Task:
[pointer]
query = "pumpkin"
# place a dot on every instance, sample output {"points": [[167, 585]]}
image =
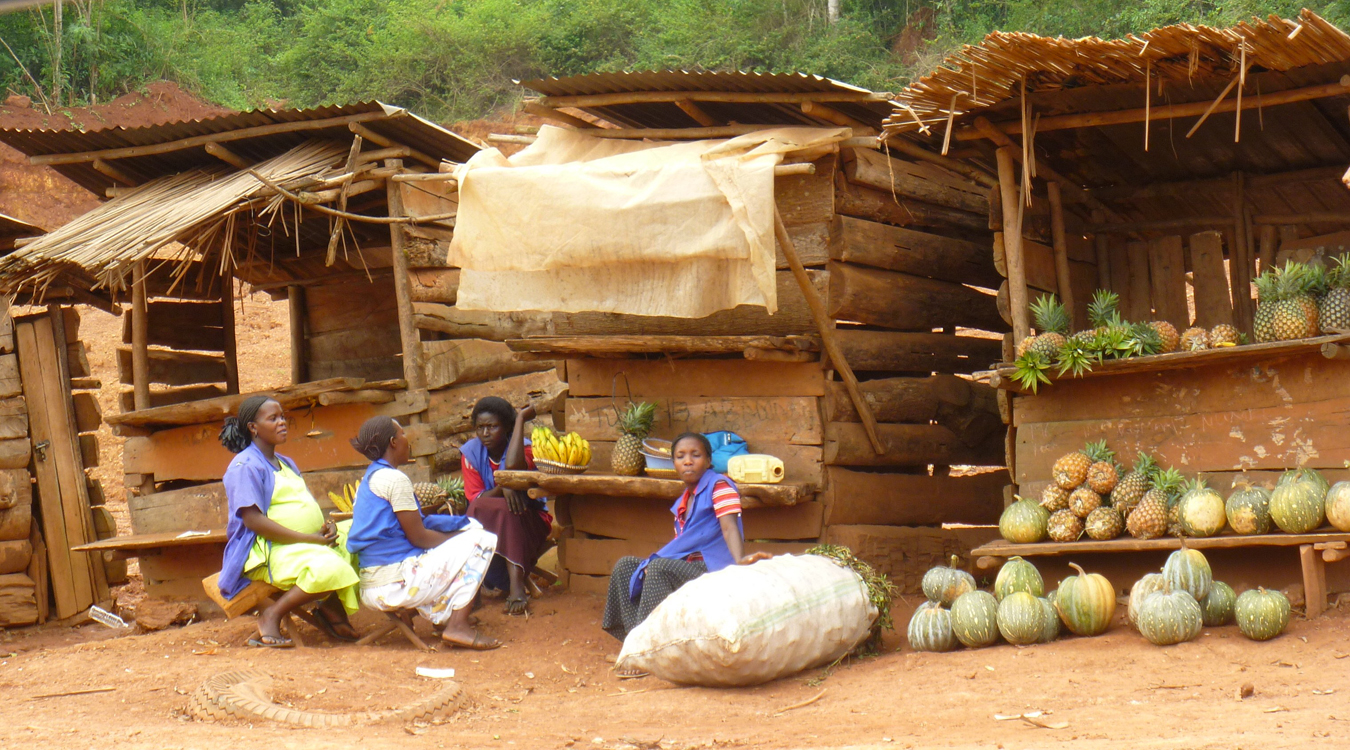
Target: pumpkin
{"points": [[1338, 505], [1169, 616], [1202, 511], [1248, 509], [975, 619], [1019, 618], [930, 629], [944, 584], [1188, 570], [1217, 606], [1024, 522], [1049, 619], [1018, 575], [1261, 615], [1086, 602], [1151, 583], [1298, 506]]}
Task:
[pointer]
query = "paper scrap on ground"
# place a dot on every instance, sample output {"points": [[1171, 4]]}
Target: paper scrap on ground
{"points": [[435, 674]]}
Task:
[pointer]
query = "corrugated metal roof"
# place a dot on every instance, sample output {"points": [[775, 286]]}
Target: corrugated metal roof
{"points": [[394, 123], [668, 115]]}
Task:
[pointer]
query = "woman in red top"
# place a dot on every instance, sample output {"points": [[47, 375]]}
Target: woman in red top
{"points": [[522, 524]]}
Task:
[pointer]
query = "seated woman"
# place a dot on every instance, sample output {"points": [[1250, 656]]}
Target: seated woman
{"points": [[522, 524], [708, 537], [277, 533], [432, 564]]}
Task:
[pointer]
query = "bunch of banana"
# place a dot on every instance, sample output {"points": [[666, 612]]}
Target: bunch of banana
{"points": [[344, 501], [570, 449]]}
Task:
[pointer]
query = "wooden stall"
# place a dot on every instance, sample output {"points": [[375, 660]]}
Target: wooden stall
{"points": [[1170, 168], [894, 249]]}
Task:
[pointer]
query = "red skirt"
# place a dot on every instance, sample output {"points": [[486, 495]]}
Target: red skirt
{"points": [[520, 538]]}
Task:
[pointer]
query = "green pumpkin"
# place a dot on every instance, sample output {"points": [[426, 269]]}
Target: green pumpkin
{"points": [[1019, 618], [1049, 619], [1298, 506], [930, 629], [975, 619], [1338, 505], [1149, 584], [1169, 616], [1024, 522], [1262, 615], [1018, 575], [1304, 475], [1086, 602], [944, 584], [1248, 509], [1217, 606], [1188, 570], [1201, 512]]}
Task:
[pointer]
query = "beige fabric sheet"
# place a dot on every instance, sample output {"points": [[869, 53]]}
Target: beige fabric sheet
{"points": [[575, 223]]}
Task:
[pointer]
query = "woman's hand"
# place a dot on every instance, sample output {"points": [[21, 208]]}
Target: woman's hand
{"points": [[515, 501], [327, 535], [525, 414], [753, 557]]}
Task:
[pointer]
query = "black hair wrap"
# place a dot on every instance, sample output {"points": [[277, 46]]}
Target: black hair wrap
{"points": [[235, 435]]}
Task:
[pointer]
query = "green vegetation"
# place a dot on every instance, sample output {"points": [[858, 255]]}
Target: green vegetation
{"points": [[455, 59]]}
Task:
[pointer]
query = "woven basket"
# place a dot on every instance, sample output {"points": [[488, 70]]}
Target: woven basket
{"points": [[553, 467]]}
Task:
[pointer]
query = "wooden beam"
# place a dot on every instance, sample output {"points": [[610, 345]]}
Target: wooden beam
{"points": [[1012, 243], [1173, 111], [647, 97], [549, 113], [1061, 245], [1192, 223], [231, 343], [374, 137], [1043, 170], [202, 140], [228, 156], [698, 114], [1239, 260], [834, 116], [140, 354], [678, 134], [1320, 217], [414, 370], [295, 297], [110, 170], [1222, 184], [897, 142], [1269, 245]]}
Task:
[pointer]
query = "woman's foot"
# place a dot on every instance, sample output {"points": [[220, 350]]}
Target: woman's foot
{"points": [[271, 641], [333, 621], [517, 606], [475, 641]]}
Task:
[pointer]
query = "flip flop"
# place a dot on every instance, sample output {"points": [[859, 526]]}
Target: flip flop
{"points": [[271, 641], [524, 610], [480, 643], [323, 619]]}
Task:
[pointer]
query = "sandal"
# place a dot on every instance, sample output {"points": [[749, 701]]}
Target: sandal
{"points": [[271, 641], [480, 643], [327, 622], [517, 607]]}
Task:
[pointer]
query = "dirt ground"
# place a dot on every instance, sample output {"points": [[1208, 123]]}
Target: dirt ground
{"points": [[551, 688]]}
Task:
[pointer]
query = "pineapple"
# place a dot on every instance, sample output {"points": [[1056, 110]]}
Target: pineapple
{"points": [[454, 490], [1263, 323], [1194, 340], [1333, 310], [1103, 309], [1149, 518], [1083, 501], [1052, 323], [1104, 523], [1064, 526], [1223, 334], [1071, 470], [1167, 335], [1130, 489], [1102, 475], [635, 423], [1295, 313], [430, 496], [1054, 497]]}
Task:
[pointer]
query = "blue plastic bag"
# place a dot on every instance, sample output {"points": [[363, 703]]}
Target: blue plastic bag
{"points": [[724, 446]]}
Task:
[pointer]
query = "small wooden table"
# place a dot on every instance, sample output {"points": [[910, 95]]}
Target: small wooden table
{"points": [[752, 495], [1315, 550]]}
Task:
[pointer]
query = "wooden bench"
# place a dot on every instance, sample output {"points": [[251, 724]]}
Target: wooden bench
{"points": [[1315, 550]]}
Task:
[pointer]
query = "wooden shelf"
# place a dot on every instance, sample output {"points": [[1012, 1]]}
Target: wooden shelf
{"points": [[752, 495], [1003, 549], [211, 409], [563, 347], [1329, 345], [134, 545]]}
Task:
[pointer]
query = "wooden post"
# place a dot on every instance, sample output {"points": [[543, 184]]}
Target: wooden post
{"points": [[1238, 261], [140, 352], [231, 347], [1269, 245], [295, 297], [827, 338], [1009, 189], [1103, 248], [1061, 244], [1314, 580], [413, 370]]}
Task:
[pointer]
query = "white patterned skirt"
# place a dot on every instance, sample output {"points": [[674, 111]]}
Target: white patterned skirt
{"points": [[439, 581]]}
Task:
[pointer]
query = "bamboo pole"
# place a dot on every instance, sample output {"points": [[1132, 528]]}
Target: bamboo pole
{"points": [[1012, 243], [231, 343], [413, 370], [228, 156], [827, 335], [140, 335], [1061, 244], [295, 305]]}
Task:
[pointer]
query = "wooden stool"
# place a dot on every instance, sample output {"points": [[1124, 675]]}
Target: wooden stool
{"points": [[253, 596], [394, 622]]}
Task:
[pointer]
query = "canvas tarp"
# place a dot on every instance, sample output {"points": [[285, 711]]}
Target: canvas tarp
{"points": [[575, 223]]}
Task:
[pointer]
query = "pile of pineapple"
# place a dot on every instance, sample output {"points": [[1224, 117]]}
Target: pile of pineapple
{"points": [[1091, 494], [1300, 300]]}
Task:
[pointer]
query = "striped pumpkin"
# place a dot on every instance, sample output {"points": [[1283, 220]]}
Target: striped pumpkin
{"points": [[1019, 618], [975, 619], [1169, 616], [1086, 602], [1299, 505], [1018, 575], [1338, 505], [930, 629], [1149, 584], [1188, 570], [1248, 509], [1261, 615], [944, 584], [1217, 606], [1049, 619], [1024, 522]]}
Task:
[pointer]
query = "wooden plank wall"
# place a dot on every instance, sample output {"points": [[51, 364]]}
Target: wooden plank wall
{"points": [[351, 329]]}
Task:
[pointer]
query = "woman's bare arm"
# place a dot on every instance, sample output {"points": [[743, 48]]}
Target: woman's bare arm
{"points": [[515, 450], [417, 532]]}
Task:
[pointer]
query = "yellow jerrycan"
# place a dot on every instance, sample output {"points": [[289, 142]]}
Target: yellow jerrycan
{"points": [[755, 468]]}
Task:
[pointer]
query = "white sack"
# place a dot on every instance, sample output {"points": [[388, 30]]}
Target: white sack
{"points": [[748, 624]]}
